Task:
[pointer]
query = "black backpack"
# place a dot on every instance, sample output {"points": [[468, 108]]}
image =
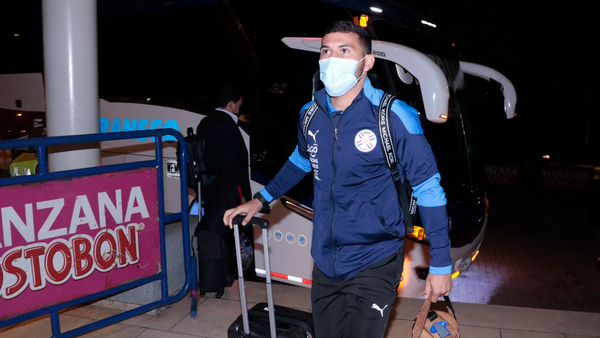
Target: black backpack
{"points": [[405, 196], [198, 176]]}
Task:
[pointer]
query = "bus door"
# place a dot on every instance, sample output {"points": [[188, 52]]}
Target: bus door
{"points": [[489, 74]]}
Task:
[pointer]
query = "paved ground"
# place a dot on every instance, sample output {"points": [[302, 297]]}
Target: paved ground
{"points": [[537, 276], [541, 250], [216, 315]]}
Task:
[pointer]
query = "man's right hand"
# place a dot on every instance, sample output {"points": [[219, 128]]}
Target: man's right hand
{"points": [[249, 209]]}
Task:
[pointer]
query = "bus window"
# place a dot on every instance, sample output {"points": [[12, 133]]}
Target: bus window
{"points": [[446, 139], [481, 103]]}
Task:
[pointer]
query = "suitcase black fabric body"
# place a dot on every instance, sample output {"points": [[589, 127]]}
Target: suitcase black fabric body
{"points": [[217, 191], [215, 262], [287, 322], [216, 256], [216, 250], [290, 323]]}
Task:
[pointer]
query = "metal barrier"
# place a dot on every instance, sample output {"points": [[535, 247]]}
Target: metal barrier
{"points": [[47, 266]]}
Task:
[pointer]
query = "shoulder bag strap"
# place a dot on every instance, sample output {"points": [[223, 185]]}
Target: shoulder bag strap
{"points": [[420, 321], [308, 116], [449, 306]]}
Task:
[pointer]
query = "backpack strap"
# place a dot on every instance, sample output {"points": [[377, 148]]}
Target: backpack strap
{"points": [[308, 116], [405, 196], [385, 135], [193, 162]]}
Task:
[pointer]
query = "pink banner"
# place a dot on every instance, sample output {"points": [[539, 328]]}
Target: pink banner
{"points": [[66, 239]]}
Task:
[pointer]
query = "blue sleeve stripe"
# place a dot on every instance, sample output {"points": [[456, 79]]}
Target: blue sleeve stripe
{"points": [[444, 270], [299, 161], [409, 117], [266, 195], [407, 114], [430, 193], [305, 107]]}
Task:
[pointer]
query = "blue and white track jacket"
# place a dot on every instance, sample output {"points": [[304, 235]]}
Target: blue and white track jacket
{"points": [[357, 218]]}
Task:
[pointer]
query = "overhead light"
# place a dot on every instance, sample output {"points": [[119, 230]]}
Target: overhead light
{"points": [[546, 157], [427, 23], [376, 9], [16, 34]]}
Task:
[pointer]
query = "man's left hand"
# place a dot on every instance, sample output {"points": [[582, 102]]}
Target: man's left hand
{"points": [[437, 286]]}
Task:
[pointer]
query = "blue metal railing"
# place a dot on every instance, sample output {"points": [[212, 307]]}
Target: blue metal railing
{"points": [[190, 285]]}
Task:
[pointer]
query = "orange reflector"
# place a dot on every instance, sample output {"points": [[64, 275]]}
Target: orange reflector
{"points": [[361, 20], [475, 256], [444, 116], [418, 234], [454, 275]]}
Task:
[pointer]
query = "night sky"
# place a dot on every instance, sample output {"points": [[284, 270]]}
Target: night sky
{"points": [[549, 50]]}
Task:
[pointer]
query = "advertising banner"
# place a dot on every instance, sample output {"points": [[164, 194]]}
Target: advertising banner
{"points": [[567, 178], [501, 175], [65, 239]]}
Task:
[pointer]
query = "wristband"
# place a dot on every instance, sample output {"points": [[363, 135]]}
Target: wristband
{"points": [[266, 207]]}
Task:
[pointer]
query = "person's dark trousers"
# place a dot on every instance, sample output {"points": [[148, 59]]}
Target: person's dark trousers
{"points": [[360, 306]]}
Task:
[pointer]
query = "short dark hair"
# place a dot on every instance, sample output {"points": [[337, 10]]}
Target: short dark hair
{"points": [[227, 94], [344, 26]]}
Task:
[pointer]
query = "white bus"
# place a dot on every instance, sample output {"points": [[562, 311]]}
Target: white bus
{"points": [[160, 62]]}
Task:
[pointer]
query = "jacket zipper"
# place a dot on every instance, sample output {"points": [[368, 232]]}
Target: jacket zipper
{"points": [[335, 129]]}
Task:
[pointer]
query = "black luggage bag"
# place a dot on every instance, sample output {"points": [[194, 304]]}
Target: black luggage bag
{"points": [[266, 320], [216, 262], [215, 255]]}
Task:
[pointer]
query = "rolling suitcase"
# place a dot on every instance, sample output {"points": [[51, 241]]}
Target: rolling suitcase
{"points": [[266, 320]]}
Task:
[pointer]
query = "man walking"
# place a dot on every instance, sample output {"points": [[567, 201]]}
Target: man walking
{"points": [[358, 228]]}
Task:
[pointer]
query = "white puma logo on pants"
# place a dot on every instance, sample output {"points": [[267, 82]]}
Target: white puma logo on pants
{"points": [[376, 307]]}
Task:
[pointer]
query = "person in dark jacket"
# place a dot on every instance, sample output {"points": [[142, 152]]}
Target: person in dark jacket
{"points": [[358, 228], [225, 149], [227, 163]]}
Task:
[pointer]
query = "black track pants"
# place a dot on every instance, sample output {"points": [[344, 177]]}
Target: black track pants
{"points": [[360, 306]]}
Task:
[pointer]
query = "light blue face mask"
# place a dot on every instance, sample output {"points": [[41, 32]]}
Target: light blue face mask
{"points": [[338, 75]]}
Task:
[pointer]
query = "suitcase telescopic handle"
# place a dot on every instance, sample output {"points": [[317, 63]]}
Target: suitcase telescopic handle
{"points": [[262, 223]]}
